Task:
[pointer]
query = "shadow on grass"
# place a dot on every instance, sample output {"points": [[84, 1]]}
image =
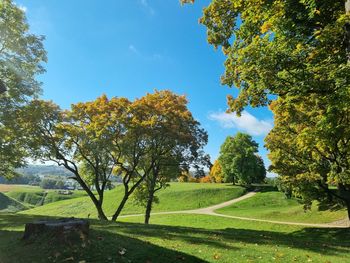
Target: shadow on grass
{"points": [[320, 240], [102, 246], [107, 241]]}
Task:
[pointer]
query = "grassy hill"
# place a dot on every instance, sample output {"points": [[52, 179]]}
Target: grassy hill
{"points": [[32, 196], [7, 204], [179, 196], [183, 237], [274, 206]]}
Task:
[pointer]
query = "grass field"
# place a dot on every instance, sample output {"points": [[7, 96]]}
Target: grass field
{"points": [[179, 196], [32, 196], [179, 238], [274, 206], [7, 204], [41, 197], [17, 187]]}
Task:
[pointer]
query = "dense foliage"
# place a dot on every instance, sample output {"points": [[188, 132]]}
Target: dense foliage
{"points": [[139, 140], [21, 58], [239, 160], [299, 51]]}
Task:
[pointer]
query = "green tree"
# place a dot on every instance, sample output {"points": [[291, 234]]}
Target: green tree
{"points": [[240, 162], [284, 47], [298, 50], [21, 58], [173, 141], [87, 134], [309, 149]]}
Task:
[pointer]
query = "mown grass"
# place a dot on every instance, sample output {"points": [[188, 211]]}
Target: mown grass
{"points": [[179, 196], [33, 197], [275, 206], [179, 238], [8, 204]]}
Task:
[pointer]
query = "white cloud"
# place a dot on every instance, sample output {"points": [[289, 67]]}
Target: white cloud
{"points": [[22, 7], [247, 122], [148, 57], [146, 6]]}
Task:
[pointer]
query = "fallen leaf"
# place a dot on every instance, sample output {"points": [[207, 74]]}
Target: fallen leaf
{"points": [[69, 259], [122, 251]]}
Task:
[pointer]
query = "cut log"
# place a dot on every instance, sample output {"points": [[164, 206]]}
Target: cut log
{"points": [[65, 229]]}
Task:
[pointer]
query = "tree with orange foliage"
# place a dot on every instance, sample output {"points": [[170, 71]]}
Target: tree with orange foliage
{"points": [[216, 172]]}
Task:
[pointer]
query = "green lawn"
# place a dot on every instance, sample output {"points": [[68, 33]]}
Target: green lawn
{"points": [[4, 188], [179, 238], [35, 196], [274, 206], [7, 204], [179, 196]]}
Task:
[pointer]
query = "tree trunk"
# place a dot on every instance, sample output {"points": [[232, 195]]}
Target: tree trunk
{"points": [[149, 206], [347, 30], [127, 193], [97, 203], [348, 208], [120, 207], [101, 214]]}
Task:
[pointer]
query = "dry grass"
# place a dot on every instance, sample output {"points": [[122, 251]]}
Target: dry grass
{"points": [[11, 187]]}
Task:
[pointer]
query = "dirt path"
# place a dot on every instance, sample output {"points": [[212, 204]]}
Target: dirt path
{"points": [[211, 211]]}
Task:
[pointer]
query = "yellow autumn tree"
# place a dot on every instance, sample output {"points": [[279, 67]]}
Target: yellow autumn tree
{"points": [[216, 172]]}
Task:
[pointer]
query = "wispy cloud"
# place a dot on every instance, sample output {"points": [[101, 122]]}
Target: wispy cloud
{"points": [[147, 7], [22, 7], [154, 56], [246, 122], [133, 49]]}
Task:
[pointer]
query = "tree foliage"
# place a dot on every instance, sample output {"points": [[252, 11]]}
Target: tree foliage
{"points": [[174, 142], [239, 160], [21, 58], [148, 138], [216, 172], [310, 149], [282, 47], [298, 50]]}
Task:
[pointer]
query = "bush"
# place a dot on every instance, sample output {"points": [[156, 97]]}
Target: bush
{"points": [[206, 179]]}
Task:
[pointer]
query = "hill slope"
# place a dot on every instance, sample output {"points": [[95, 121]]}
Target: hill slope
{"points": [[179, 196], [7, 204], [274, 206]]}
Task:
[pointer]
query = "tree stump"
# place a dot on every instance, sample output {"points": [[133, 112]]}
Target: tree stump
{"points": [[63, 230]]}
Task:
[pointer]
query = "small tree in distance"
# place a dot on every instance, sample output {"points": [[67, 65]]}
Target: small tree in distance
{"points": [[216, 172], [240, 162]]}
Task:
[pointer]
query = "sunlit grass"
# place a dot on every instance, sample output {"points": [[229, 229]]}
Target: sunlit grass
{"points": [[180, 238], [179, 196], [275, 206]]}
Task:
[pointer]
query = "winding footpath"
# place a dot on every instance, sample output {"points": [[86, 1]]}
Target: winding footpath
{"points": [[211, 212]]}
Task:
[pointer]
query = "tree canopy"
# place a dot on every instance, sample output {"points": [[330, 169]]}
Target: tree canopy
{"points": [[284, 47], [21, 58], [240, 162], [174, 141], [216, 172], [94, 140], [298, 51]]}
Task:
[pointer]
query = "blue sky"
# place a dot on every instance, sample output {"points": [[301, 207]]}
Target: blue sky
{"points": [[131, 47]]}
